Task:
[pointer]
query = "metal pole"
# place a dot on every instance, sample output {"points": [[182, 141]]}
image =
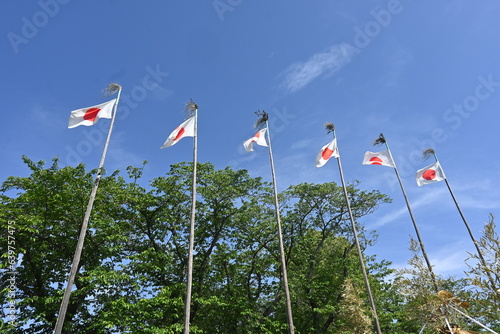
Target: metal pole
{"points": [[79, 248], [358, 247], [280, 238], [473, 320], [448, 324], [187, 310], [479, 253], [433, 277]]}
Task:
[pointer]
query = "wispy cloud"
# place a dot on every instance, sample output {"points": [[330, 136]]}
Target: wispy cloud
{"points": [[428, 198], [480, 194], [450, 260], [300, 74]]}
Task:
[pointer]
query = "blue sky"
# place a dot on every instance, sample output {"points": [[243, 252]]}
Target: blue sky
{"points": [[424, 73]]}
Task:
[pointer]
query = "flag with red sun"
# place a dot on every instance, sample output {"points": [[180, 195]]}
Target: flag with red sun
{"points": [[378, 158], [430, 174], [327, 151], [90, 116], [259, 139], [186, 129]]}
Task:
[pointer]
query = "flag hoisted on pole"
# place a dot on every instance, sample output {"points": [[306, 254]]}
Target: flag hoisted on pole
{"points": [[186, 129], [259, 139], [91, 115], [328, 151], [189, 128], [378, 158], [88, 116], [430, 174], [390, 162], [435, 173]]}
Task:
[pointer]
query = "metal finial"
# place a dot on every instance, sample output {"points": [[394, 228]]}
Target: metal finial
{"points": [[111, 89], [191, 107], [428, 152], [329, 127], [380, 140], [263, 117]]}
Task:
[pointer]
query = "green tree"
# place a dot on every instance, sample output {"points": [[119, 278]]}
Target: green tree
{"points": [[321, 251], [352, 313], [485, 299], [132, 275], [47, 210], [229, 274], [422, 306]]}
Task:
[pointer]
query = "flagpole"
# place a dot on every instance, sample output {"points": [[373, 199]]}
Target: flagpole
{"points": [[381, 139], [331, 128], [480, 254], [111, 89], [187, 311], [473, 320], [291, 329]]}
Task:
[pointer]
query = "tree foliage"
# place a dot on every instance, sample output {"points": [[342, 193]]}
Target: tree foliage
{"points": [[487, 297], [458, 301], [132, 275]]}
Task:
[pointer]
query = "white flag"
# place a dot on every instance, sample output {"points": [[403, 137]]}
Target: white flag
{"points": [[378, 158], [430, 174], [186, 129], [90, 116], [327, 151], [259, 139]]}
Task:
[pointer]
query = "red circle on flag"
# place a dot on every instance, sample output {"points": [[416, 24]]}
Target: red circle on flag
{"points": [[429, 174], [179, 134], [327, 153], [376, 161], [91, 114]]}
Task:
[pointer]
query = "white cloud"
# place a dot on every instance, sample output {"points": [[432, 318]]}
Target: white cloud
{"points": [[446, 262], [479, 194], [428, 198], [450, 260], [300, 74]]}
